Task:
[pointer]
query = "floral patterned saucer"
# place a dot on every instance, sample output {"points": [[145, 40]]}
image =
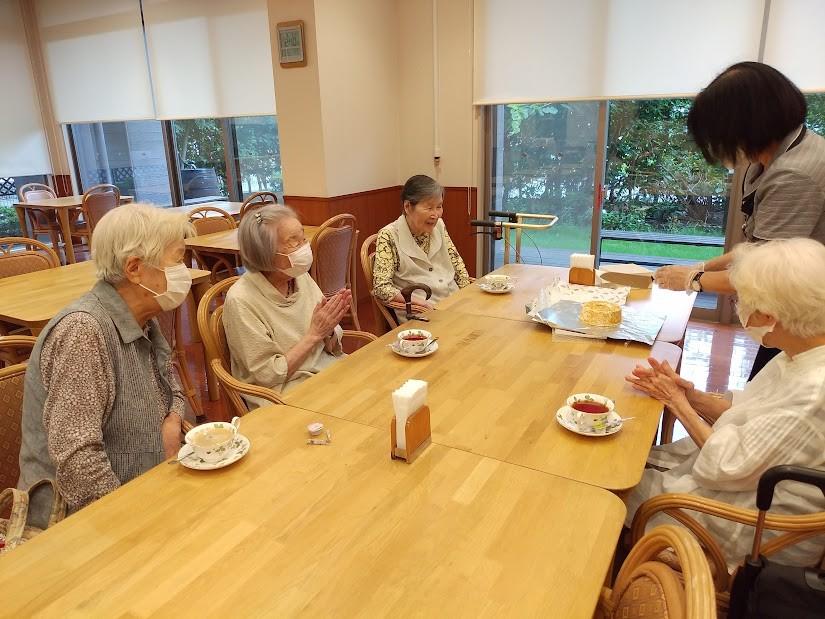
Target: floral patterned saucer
{"points": [[238, 450], [566, 420]]}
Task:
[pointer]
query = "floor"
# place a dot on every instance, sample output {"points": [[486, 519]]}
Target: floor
{"points": [[716, 358]]}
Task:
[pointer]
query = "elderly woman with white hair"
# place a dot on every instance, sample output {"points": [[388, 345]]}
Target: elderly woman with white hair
{"points": [[280, 327], [779, 418], [101, 405]]}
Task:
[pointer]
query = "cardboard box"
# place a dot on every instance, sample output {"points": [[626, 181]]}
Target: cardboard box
{"points": [[627, 275]]}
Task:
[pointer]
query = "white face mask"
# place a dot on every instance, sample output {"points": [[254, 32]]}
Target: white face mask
{"points": [[178, 283], [300, 261], [757, 334]]}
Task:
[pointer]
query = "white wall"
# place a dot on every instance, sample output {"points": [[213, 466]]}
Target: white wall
{"points": [[358, 71]]}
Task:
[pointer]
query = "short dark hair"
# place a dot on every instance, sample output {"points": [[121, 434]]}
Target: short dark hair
{"points": [[420, 187], [748, 107]]}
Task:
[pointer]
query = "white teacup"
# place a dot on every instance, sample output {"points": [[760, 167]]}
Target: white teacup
{"points": [[212, 441], [414, 340], [590, 410], [498, 282]]}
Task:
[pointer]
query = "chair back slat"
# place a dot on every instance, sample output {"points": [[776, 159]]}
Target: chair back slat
{"points": [[11, 414], [19, 255], [257, 200], [97, 201]]}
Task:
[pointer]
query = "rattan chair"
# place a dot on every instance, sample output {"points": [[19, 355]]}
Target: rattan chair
{"points": [[171, 326], [11, 413], [334, 249], [384, 318], [19, 255], [41, 221], [257, 200], [97, 201], [646, 587], [794, 529], [15, 349], [206, 220]]}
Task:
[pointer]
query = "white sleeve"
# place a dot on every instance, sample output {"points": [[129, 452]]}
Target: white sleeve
{"points": [[734, 457]]}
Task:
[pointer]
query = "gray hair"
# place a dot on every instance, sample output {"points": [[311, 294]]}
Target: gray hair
{"points": [[783, 279], [258, 236], [419, 188], [140, 230]]}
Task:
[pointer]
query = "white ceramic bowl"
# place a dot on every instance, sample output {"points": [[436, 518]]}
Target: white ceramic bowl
{"points": [[216, 452], [414, 346]]}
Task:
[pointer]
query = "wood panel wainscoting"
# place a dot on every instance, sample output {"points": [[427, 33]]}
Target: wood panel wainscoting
{"points": [[376, 208]]}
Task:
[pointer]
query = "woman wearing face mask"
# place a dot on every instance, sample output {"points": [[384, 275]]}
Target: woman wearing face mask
{"points": [[416, 249], [280, 327], [101, 405], [779, 418]]}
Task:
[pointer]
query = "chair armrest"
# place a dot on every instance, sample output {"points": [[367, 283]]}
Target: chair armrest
{"points": [[231, 383], [360, 335]]}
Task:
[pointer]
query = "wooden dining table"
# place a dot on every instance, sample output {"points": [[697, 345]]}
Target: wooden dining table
{"points": [[33, 299], [233, 208], [226, 241], [494, 387], [61, 207], [675, 306], [338, 530]]}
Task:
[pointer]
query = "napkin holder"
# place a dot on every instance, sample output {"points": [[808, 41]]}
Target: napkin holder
{"points": [[417, 432], [585, 277]]}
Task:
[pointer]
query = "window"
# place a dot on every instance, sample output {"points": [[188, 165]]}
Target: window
{"points": [[816, 112], [201, 153], [214, 158], [258, 154], [131, 155], [544, 161]]}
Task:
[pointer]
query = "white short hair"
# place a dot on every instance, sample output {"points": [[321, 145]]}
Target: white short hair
{"points": [[783, 279], [140, 230]]}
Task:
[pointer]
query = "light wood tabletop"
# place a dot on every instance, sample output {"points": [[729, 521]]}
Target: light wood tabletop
{"points": [[494, 388], [529, 279], [233, 208], [226, 241], [338, 530], [32, 299], [61, 206]]}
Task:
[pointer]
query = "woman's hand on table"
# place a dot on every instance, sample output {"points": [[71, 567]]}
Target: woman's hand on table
{"points": [[660, 381], [170, 432]]}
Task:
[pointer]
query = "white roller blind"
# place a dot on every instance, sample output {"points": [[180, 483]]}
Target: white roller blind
{"points": [[210, 58], [96, 59], [23, 148], [795, 42], [545, 50]]}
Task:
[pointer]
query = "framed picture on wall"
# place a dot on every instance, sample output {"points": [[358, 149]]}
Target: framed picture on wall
{"points": [[291, 44]]}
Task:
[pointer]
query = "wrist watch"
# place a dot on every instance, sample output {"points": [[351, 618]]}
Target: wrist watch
{"points": [[695, 283]]}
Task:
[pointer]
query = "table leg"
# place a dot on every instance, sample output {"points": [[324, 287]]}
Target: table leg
{"points": [[21, 219], [66, 229]]}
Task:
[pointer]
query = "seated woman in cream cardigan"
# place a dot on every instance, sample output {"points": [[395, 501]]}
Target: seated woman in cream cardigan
{"points": [[416, 249], [279, 326]]}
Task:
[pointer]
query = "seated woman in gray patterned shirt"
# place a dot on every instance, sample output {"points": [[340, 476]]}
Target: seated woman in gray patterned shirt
{"points": [[101, 405]]}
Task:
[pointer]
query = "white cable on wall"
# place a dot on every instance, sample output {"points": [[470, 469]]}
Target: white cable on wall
{"points": [[436, 145]]}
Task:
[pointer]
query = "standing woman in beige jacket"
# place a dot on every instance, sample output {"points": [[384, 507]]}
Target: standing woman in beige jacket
{"points": [[279, 326]]}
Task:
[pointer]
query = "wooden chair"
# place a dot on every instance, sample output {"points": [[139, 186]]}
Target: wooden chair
{"points": [[15, 349], [172, 326], [206, 220], [257, 200], [14, 260], [97, 201], [794, 529], [11, 414], [384, 318], [334, 248], [646, 587], [234, 389], [45, 221]]}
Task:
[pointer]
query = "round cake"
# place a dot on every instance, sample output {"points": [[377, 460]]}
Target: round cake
{"points": [[601, 314]]}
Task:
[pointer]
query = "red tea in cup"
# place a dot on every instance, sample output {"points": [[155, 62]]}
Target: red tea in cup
{"points": [[594, 408]]}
